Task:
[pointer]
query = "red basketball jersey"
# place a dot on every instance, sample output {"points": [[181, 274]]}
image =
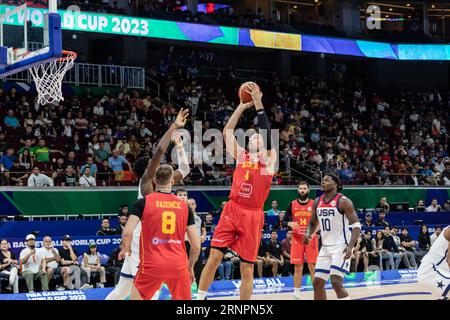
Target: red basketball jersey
{"points": [[251, 184], [301, 213], [164, 222]]}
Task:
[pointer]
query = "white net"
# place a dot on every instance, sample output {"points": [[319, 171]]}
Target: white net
{"points": [[48, 78]]}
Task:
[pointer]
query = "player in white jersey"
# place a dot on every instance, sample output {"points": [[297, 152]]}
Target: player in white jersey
{"points": [[434, 271], [335, 214], [145, 171]]}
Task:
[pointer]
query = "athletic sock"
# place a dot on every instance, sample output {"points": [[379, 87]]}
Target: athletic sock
{"points": [[201, 295], [346, 298]]}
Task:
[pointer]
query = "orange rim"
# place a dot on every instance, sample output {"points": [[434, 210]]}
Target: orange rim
{"points": [[69, 55]]}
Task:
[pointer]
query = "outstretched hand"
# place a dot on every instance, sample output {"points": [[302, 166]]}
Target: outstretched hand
{"points": [[247, 105], [181, 119], [255, 92]]}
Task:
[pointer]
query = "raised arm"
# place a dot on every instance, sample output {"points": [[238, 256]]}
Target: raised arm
{"points": [[346, 206], [183, 162], [161, 149], [231, 143]]}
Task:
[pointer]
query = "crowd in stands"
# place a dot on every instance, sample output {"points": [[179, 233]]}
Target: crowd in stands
{"points": [[365, 136]]}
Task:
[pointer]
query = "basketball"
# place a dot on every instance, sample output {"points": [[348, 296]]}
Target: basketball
{"points": [[243, 95]]}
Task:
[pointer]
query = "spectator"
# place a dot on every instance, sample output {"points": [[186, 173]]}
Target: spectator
{"points": [[262, 258], [275, 255], [408, 243], [90, 163], [8, 159], [274, 210], [4, 145], [383, 253], [123, 218], [114, 265], [346, 174], [70, 267], [383, 205], [37, 179], [201, 233], [116, 162], [420, 206], [11, 121], [33, 264], [70, 179], [72, 161], [286, 251], [390, 247], [91, 263], [101, 154], [447, 206], [435, 235], [106, 230], [104, 172], [26, 162], [51, 256], [42, 153], [368, 220], [381, 219], [407, 256], [120, 143], [86, 180], [368, 252], [434, 206], [16, 175], [209, 224], [9, 266], [424, 243], [225, 269]]}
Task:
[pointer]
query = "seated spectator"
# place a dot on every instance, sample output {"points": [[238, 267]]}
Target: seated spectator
{"points": [[390, 247], [86, 180], [70, 268], [346, 174], [101, 154], [26, 161], [225, 268], [4, 144], [447, 206], [275, 255], [368, 252], [381, 219], [383, 253], [424, 243], [407, 257], [122, 142], [70, 178], [106, 230], [51, 256], [368, 220], [123, 218], [116, 162], [9, 266], [420, 206], [10, 120], [114, 265], [90, 163], [408, 243], [104, 172], [286, 251], [263, 259], [37, 179], [434, 206], [33, 264], [72, 161], [435, 235], [383, 205], [8, 159], [274, 210], [91, 263], [209, 224], [16, 175], [42, 153]]}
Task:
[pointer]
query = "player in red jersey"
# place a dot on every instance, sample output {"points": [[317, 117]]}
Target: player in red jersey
{"points": [[297, 217], [165, 221], [242, 218]]}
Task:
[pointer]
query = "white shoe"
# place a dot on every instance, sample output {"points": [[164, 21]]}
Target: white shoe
{"points": [[296, 296], [100, 285], [85, 286]]}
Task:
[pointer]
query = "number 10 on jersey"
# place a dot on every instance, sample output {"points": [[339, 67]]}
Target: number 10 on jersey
{"points": [[326, 225], [168, 222]]}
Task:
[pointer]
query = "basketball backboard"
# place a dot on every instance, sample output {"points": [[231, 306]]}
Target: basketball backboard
{"points": [[18, 57]]}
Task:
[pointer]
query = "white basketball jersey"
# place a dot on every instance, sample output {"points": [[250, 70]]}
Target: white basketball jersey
{"points": [[438, 252], [137, 230], [334, 225]]}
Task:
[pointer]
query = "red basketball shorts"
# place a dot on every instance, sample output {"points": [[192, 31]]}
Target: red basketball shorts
{"points": [[179, 285], [240, 229], [300, 250]]}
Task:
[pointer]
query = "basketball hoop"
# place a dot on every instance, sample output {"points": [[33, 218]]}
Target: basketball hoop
{"points": [[48, 77]]}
